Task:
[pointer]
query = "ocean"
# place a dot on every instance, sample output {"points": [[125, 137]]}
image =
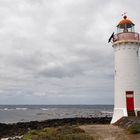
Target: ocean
{"points": [[26, 113]]}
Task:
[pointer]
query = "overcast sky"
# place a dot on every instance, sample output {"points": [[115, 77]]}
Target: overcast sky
{"points": [[56, 51]]}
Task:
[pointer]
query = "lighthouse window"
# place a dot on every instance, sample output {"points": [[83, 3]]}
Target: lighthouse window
{"points": [[137, 53]]}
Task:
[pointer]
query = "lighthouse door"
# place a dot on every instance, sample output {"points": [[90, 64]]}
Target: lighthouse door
{"points": [[130, 103]]}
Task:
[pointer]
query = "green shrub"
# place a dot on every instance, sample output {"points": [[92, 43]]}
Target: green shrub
{"points": [[32, 134], [59, 133], [78, 136], [134, 129]]}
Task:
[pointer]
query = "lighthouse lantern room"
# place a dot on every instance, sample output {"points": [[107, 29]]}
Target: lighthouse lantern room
{"points": [[126, 45]]}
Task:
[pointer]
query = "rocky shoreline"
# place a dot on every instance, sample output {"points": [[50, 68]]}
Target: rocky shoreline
{"points": [[18, 129]]}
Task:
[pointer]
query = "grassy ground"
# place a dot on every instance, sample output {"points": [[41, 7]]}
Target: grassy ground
{"points": [[58, 133], [134, 129]]}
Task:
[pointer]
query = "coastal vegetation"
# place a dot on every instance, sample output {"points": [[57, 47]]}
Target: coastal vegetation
{"points": [[134, 129], [21, 128], [57, 133]]}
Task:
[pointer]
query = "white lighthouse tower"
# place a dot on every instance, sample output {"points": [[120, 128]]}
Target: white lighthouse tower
{"points": [[126, 45]]}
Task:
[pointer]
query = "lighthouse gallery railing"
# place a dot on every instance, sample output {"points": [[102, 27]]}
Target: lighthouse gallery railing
{"points": [[126, 36]]}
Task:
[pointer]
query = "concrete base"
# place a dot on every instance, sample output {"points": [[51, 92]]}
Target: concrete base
{"points": [[118, 113]]}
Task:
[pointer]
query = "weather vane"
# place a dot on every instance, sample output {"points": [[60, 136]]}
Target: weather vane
{"points": [[124, 14]]}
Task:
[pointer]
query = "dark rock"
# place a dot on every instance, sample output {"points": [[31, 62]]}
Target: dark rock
{"points": [[126, 122], [18, 129]]}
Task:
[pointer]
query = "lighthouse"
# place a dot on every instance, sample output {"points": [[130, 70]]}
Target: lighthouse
{"points": [[126, 45]]}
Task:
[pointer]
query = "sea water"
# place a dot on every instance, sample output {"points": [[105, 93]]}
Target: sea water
{"points": [[26, 113]]}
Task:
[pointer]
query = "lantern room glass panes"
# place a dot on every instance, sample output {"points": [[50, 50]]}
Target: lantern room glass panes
{"points": [[125, 28]]}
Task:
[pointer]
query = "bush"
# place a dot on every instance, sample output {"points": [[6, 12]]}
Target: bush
{"points": [[59, 133], [134, 129]]}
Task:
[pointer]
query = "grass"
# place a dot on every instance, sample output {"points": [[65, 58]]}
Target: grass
{"points": [[134, 129], [59, 133]]}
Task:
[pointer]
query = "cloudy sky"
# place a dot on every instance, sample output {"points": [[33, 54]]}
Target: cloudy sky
{"points": [[56, 51]]}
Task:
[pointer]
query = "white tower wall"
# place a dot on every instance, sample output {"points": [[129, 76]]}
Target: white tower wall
{"points": [[127, 76]]}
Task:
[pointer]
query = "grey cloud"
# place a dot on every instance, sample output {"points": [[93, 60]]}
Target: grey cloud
{"points": [[57, 50]]}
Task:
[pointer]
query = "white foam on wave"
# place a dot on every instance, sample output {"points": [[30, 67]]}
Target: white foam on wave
{"points": [[44, 109], [107, 112], [21, 108], [4, 138], [6, 109], [16, 137]]}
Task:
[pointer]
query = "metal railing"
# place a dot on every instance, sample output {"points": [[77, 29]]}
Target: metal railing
{"points": [[126, 36]]}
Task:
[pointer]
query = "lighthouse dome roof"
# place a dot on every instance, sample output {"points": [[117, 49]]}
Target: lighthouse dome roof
{"points": [[125, 22]]}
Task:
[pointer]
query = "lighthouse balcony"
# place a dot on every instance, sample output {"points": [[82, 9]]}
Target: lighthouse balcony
{"points": [[126, 36]]}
